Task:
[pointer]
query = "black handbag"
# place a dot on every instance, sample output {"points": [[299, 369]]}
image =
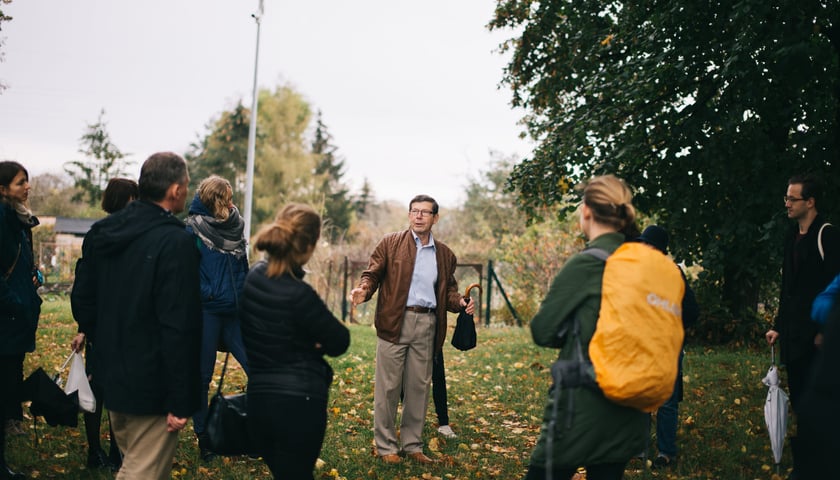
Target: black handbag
{"points": [[227, 427]]}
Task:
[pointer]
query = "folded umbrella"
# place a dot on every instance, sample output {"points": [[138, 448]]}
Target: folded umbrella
{"points": [[464, 338], [775, 410]]}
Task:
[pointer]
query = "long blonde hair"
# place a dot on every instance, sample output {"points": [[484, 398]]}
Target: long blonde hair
{"points": [[290, 238], [216, 194], [611, 203]]}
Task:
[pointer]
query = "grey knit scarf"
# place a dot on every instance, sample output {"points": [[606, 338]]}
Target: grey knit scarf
{"points": [[223, 236]]}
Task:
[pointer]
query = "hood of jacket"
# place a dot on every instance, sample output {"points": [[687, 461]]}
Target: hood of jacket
{"points": [[115, 232], [197, 207]]}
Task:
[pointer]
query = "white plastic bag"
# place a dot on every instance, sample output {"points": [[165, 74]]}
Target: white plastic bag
{"points": [[77, 380]]}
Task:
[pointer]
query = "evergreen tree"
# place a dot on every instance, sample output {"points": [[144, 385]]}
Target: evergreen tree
{"points": [[329, 170], [223, 151], [103, 161], [363, 201]]}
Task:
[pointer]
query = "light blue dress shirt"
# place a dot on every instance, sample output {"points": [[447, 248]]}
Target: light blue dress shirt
{"points": [[422, 290]]}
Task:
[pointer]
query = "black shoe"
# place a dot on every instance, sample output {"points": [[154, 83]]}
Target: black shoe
{"points": [[98, 459], [661, 461], [115, 460], [7, 473], [206, 454]]}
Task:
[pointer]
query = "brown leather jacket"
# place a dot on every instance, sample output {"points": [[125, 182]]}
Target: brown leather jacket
{"points": [[390, 269]]}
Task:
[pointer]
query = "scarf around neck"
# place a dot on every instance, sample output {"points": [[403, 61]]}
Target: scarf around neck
{"points": [[225, 236]]}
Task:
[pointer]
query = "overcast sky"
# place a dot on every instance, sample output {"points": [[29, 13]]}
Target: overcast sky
{"points": [[409, 90]]}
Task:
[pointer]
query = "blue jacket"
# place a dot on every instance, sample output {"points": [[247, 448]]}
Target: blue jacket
{"points": [[825, 301], [222, 274], [20, 305]]}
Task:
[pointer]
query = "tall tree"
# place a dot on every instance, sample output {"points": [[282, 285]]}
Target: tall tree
{"points": [[690, 102], [490, 209], [364, 198], [284, 164], [103, 161], [3, 18], [329, 170], [223, 151]]}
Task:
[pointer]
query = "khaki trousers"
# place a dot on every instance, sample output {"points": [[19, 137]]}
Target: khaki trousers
{"points": [[147, 447], [403, 366]]}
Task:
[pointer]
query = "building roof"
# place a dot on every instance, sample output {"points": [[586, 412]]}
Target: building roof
{"points": [[73, 226]]}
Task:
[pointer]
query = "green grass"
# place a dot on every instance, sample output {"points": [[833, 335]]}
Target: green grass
{"points": [[496, 396]]}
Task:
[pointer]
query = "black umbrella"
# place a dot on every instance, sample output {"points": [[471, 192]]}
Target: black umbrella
{"points": [[464, 337], [50, 401]]}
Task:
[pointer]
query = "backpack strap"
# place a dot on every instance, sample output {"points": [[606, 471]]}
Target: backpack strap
{"points": [[599, 253], [819, 240]]}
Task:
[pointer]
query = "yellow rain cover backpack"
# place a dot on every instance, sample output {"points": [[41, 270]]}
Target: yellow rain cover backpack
{"points": [[636, 345]]}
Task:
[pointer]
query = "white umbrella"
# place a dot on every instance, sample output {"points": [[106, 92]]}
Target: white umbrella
{"points": [[775, 411]]}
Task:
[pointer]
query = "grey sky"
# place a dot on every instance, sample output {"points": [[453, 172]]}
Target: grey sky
{"points": [[407, 89]]}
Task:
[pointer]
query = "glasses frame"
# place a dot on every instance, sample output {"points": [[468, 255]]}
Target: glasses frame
{"points": [[788, 198], [421, 213]]}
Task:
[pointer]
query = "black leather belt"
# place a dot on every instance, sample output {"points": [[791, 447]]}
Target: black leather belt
{"points": [[420, 309]]}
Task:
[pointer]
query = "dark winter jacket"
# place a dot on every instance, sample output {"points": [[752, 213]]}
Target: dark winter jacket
{"points": [[283, 319], [137, 293], [816, 443], [390, 270], [222, 273], [20, 305], [801, 286], [601, 431]]}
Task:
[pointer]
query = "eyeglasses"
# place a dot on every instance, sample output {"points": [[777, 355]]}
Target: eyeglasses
{"points": [[420, 213], [792, 199]]}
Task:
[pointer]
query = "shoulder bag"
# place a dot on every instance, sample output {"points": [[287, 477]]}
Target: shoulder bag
{"points": [[227, 422]]}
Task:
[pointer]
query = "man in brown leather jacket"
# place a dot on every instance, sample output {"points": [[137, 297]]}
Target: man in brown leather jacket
{"points": [[415, 277]]}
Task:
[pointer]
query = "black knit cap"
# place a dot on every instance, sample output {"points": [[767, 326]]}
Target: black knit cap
{"points": [[656, 237]]}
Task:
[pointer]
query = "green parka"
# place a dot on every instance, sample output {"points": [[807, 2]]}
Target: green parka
{"points": [[601, 431]]}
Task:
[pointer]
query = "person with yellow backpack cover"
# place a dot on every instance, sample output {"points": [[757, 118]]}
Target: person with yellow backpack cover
{"points": [[604, 382]]}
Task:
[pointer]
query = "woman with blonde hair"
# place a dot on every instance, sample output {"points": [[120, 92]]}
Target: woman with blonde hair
{"points": [[602, 436], [287, 330], [20, 305], [220, 236]]}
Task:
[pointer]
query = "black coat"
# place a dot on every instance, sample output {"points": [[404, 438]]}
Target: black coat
{"points": [[817, 443], [283, 319], [800, 287], [136, 295]]}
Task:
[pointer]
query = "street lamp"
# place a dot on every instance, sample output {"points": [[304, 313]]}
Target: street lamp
{"points": [[252, 136]]}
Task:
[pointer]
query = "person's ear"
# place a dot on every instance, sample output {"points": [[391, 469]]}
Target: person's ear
{"points": [[174, 191]]}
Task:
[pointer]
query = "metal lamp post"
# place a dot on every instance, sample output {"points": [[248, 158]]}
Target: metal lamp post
{"points": [[252, 136]]}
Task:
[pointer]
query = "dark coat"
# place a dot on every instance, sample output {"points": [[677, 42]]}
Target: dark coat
{"points": [[20, 305], [800, 287], [282, 320], [137, 293], [817, 443], [222, 274], [601, 431]]}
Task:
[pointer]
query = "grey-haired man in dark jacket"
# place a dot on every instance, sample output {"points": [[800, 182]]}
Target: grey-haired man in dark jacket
{"points": [[136, 294]]}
